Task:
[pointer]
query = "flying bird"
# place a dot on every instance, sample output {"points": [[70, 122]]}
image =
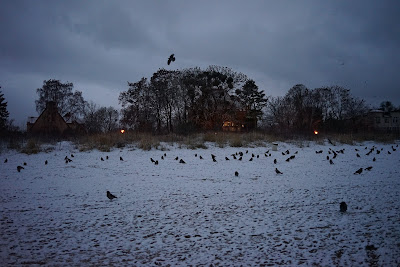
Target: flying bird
{"points": [[171, 58], [359, 171], [278, 171], [343, 206], [110, 196], [19, 168]]}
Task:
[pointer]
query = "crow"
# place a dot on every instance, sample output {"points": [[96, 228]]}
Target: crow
{"points": [[200, 157], [368, 168], [101, 159], [240, 158], [251, 159], [358, 155], [5, 161], [278, 171], [343, 206], [195, 155], [234, 157], [247, 151], [24, 163], [165, 154], [374, 159], [288, 159], [331, 162], [252, 155], [213, 156], [275, 161], [236, 173], [176, 158], [171, 59], [19, 168], [389, 152], [182, 161], [45, 163], [292, 156], [110, 196], [162, 157], [121, 159], [359, 171], [106, 157], [72, 155], [267, 151], [287, 152], [283, 153], [226, 158], [214, 160], [152, 160], [156, 162], [356, 149]]}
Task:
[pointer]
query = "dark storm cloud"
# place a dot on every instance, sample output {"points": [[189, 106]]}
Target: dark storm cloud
{"points": [[100, 45]]}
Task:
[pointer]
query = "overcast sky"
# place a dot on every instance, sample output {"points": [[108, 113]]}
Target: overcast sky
{"points": [[100, 45]]}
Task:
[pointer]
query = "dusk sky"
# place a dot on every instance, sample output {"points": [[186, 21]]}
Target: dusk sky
{"points": [[101, 45]]}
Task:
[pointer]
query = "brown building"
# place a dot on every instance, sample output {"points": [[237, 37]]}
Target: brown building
{"points": [[239, 123], [50, 122]]}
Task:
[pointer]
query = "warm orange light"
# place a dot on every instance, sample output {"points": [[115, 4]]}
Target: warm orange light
{"points": [[315, 132], [122, 131]]}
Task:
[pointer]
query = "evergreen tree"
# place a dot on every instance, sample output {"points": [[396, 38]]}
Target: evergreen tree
{"points": [[3, 112]]}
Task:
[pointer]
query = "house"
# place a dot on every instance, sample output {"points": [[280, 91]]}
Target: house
{"points": [[50, 122], [238, 123], [385, 121]]}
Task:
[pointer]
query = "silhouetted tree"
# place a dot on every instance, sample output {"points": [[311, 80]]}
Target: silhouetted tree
{"points": [[3, 112], [387, 106], [61, 93]]}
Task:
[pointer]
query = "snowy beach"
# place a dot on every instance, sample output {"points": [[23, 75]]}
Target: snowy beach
{"points": [[199, 213]]}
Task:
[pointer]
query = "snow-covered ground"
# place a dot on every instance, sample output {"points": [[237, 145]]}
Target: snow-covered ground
{"points": [[200, 213]]}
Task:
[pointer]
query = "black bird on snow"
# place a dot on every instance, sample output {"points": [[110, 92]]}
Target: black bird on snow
{"points": [[152, 160], [359, 171], [389, 152], [343, 206], [195, 155], [156, 162], [19, 168], [288, 159], [72, 155], [213, 156], [275, 161], [374, 159], [226, 158], [162, 157], [292, 156], [331, 161], [121, 159], [356, 149], [106, 157], [234, 157], [287, 152], [258, 156], [236, 173], [252, 155], [358, 155], [101, 159], [200, 157], [247, 151], [214, 160], [171, 59], [5, 161], [24, 163], [251, 159], [176, 158], [45, 163], [283, 153], [378, 152], [278, 171], [182, 161], [110, 196], [368, 168], [240, 158]]}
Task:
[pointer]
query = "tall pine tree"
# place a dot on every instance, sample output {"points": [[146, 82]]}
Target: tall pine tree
{"points": [[3, 112]]}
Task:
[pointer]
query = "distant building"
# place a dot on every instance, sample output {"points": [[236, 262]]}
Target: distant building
{"points": [[50, 122], [385, 121], [239, 123]]}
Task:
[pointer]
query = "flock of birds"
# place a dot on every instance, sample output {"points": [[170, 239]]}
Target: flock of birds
{"points": [[240, 156]]}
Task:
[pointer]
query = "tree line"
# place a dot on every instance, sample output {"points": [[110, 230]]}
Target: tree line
{"points": [[194, 99]]}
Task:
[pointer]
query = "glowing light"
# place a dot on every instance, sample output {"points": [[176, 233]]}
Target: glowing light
{"points": [[315, 132], [122, 131]]}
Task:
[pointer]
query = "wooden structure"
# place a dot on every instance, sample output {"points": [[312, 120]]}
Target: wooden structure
{"points": [[50, 122]]}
